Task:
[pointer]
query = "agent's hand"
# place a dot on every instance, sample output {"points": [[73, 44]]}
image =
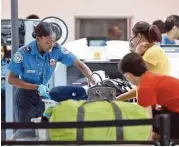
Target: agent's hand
{"points": [[91, 82], [46, 96], [43, 91]]}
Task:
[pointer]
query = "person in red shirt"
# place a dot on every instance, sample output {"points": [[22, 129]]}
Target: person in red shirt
{"points": [[153, 89]]}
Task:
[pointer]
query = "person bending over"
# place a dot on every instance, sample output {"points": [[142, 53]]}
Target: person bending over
{"points": [[153, 89]]}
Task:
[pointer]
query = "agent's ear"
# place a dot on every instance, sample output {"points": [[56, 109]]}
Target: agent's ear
{"points": [[175, 28], [38, 39], [139, 35]]}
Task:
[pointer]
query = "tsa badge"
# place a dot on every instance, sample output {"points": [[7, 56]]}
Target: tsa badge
{"points": [[52, 62]]}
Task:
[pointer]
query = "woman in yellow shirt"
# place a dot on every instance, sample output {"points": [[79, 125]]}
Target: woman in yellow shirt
{"points": [[154, 57]]}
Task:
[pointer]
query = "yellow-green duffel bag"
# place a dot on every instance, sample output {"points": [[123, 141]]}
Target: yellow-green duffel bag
{"points": [[70, 111]]}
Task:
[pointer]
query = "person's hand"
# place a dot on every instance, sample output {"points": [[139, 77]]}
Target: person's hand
{"points": [[158, 107], [43, 91], [142, 47], [46, 96], [91, 82], [131, 47]]}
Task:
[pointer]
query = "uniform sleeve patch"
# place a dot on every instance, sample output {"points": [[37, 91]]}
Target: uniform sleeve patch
{"points": [[18, 57], [65, 51]]}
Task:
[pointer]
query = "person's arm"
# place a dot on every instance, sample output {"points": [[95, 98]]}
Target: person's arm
{"points": [[13, 80], [67, 58], [126, 96], [84, 69], [42, 89], [16, 69], [143, 47]]}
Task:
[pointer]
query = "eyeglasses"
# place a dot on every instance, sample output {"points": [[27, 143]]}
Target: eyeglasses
{"points": [[53, 43], [131, 45], [132, 38], [50, 42]]}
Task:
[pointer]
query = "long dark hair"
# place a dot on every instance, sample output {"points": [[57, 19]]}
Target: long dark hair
{"points": [[151, 32]]}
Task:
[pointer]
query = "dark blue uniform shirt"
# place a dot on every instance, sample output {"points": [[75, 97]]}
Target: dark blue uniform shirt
{"points": [[30, 66]]}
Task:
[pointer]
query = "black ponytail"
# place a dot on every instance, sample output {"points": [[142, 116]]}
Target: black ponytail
{"points": [[154, 34], [151, 32]]}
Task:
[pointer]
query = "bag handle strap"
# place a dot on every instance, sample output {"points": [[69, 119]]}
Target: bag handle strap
{"points": [[95, 73], [80, 118], [117, 113]]}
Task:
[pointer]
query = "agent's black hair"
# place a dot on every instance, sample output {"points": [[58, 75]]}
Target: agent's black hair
{"points": [[151, 32], [42, 29], [47, 29], [57, 29], [161, 26], [132, 63], [171, 21]]}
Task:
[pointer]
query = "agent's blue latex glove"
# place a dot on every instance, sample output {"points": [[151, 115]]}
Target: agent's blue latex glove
{"points": [[46, 96], [43, 91]]}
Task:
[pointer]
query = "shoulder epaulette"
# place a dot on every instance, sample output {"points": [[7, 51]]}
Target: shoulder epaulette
{"points": [[27, 48]]}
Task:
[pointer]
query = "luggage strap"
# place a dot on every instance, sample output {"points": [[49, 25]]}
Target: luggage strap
{"points": [[118, 116]]}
